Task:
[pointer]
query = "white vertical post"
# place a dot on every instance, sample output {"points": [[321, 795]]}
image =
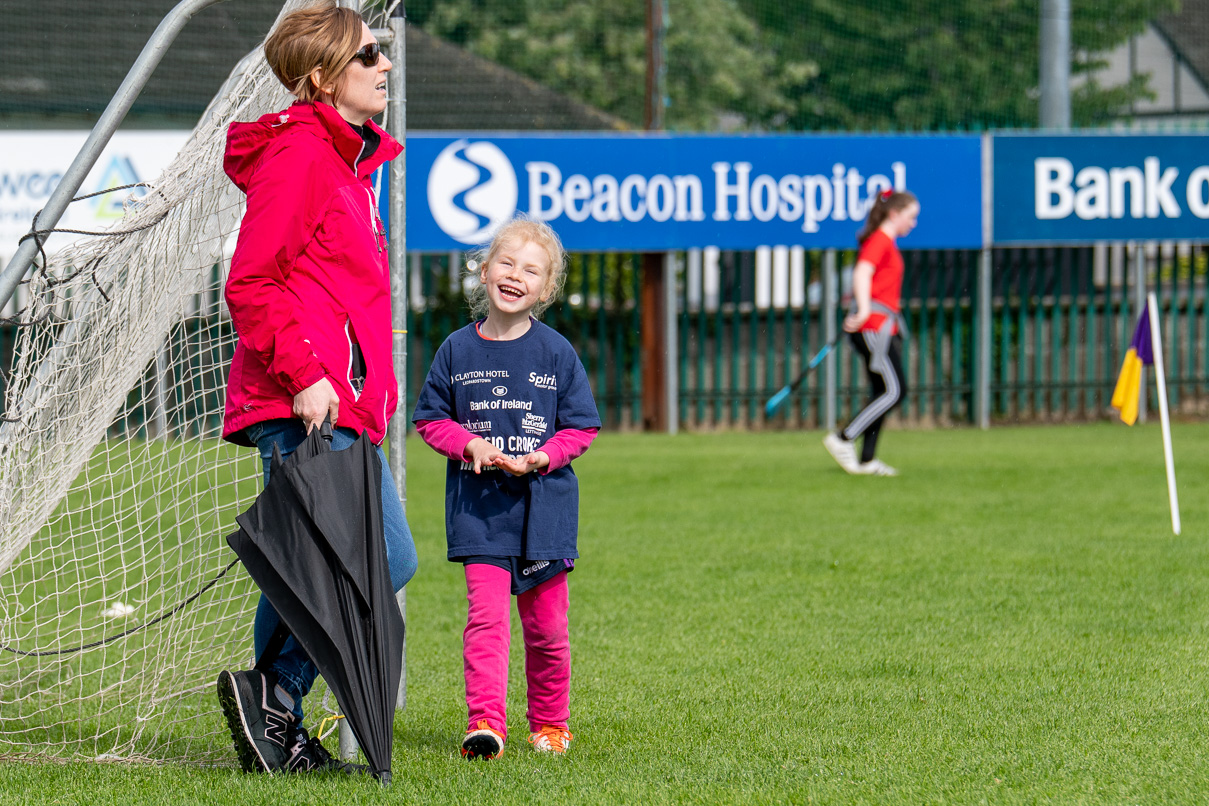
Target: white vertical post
{"points": [[1160, 379], [780, 277], [711, 282], [692, 279], [831, 300], [763, 277], [797, 277]]}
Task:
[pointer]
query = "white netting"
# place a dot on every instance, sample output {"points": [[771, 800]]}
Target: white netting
{"points": [[116, 493]]}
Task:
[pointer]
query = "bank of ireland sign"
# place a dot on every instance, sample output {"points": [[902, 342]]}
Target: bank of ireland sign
{"points": [[1107, 187], [629, 192]]}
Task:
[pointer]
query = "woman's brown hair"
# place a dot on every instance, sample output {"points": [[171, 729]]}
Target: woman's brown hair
{"points": [[885, 201], [321, 36]]}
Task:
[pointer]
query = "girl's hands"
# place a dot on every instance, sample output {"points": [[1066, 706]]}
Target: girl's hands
{"points": [[532, 463], [483, 454]]}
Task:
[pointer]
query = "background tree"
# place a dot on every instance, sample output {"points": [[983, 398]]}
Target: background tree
{"points": [[903, 65], [720, 70], [934, 64]]}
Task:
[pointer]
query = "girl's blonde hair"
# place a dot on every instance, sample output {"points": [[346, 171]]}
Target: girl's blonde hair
{"points": [[886, 201], [323, 36], [521, 229]]}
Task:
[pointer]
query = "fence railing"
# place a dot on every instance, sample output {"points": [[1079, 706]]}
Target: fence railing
{"points": [[747, 322]]}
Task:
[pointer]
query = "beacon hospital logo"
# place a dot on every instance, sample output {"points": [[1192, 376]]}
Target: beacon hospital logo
{"points": [[472, 190]]}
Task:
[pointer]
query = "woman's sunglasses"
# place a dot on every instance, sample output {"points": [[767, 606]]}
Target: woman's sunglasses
{"points": [[368, 55]]}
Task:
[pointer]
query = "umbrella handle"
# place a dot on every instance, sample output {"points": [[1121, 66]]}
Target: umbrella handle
{"points": [[325, 430]]}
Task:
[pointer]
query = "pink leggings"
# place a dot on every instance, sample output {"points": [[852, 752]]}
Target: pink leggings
{"points": [[485, 648]]}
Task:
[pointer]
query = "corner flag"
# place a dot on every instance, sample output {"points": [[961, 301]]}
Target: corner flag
{"points": [[1129, 383], [1147, 349]]}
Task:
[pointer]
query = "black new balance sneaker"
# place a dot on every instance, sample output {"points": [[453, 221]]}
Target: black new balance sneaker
{"points": [[307, 754], [260, 725]]}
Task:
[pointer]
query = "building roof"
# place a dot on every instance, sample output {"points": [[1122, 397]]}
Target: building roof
{"points": [[1188, 32], [63, 60]]}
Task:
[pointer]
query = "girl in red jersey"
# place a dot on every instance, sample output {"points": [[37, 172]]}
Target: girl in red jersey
{"points": [[874, 329]]}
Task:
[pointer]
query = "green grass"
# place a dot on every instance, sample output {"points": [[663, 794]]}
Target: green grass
{"points": [[1009, 621]]}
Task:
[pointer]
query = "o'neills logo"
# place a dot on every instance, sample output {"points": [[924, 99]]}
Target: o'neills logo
{"points": [[537, 566]]}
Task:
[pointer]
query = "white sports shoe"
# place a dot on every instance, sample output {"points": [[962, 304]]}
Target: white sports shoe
{"points": [[843, 451], [876, 468]]}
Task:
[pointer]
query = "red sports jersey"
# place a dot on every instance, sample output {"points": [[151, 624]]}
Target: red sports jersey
{"points": [[887, 287]]}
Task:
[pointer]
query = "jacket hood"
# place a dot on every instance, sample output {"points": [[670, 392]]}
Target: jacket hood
{"points": [[247, 143]]}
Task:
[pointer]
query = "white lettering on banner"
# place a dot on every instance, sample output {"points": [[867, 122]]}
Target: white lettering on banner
{"points": [[1052, 177], [811, 198], [1096, 192], [1198, 203], [603, 198], [739, 195], [723, 190], [33, 185]]}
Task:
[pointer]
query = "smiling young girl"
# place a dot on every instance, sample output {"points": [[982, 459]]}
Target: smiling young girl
{"points": [[873, 329], [507, 402]]}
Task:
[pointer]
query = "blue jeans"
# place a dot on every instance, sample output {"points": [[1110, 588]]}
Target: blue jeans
{"points": [[295, 671]]}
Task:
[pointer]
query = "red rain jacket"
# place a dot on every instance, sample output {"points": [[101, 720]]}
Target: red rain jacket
{"points": [[310, 275]]}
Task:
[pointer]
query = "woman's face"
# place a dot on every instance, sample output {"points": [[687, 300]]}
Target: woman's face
{"points": [[361, 92]]}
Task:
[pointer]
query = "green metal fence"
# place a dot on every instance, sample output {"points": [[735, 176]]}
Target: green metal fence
{"points": [[1060, 322]]}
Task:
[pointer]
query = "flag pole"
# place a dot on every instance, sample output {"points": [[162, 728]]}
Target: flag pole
{"points": [[1160, 379]]}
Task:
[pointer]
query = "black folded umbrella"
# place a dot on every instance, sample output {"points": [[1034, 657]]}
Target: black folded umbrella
{"points": [[313, 543]]}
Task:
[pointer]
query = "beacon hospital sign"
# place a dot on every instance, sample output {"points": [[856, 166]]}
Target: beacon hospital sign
{"points": [[663, 192]]}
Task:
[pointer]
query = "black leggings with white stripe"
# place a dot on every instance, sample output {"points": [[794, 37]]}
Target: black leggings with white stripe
{"points": [[883, 365]]}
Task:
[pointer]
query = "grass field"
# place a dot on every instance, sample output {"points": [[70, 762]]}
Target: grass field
{"points": [[1009, 621]]}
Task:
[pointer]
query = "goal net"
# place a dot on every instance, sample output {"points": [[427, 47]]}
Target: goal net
{"points": [[116, 493]]}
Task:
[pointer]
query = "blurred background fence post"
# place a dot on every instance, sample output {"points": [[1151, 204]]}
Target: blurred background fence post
{"points": [[828, 314]]}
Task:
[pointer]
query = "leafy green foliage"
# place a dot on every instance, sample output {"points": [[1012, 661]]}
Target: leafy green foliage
{"points": [[802, 64], [935, 64], [595, 51]]}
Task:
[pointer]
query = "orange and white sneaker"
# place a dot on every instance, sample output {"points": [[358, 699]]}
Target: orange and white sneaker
{"points": [[551, 739], [482, 742]]}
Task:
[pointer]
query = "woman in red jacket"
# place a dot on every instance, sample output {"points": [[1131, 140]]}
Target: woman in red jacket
{"points": [[873, 328], [309, 294]]}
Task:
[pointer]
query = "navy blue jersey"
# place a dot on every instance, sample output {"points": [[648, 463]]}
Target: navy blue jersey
{"points": [[515, 394]]}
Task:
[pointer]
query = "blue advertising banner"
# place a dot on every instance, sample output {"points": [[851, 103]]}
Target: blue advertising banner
{"points": [[1107, 187], [636, 192]]}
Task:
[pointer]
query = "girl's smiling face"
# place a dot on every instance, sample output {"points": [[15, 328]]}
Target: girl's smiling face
{"points": [[517, 278]]}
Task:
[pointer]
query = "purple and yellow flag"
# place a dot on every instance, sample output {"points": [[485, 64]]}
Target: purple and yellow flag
{"points": [[1129, 383]]}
